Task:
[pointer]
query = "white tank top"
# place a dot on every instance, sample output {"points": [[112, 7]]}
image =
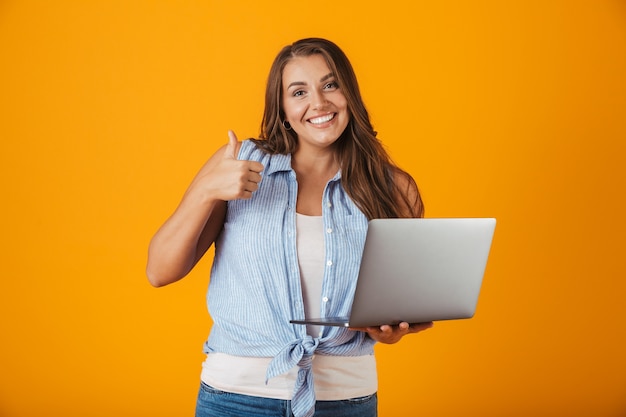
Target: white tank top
{"points": [[310, 248], [335, 377]]}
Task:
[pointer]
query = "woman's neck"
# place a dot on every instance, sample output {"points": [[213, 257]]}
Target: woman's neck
{"points": [[313, 171], [321, 163]]}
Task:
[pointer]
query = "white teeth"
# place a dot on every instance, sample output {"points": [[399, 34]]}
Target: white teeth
{"points": [[323, 119]]}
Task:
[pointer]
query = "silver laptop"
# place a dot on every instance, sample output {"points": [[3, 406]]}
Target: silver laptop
{"points": [[418, 270]]}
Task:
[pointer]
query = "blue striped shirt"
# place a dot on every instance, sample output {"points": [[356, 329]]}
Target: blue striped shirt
{"points": [[255, 280]]}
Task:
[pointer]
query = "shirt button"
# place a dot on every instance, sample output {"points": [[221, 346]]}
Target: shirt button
{"points": [[329, 263], [325, 299], [329, 230], [329, 204]]}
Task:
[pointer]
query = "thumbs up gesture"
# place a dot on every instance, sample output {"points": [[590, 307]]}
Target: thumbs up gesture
{"points": [[224, 177]]}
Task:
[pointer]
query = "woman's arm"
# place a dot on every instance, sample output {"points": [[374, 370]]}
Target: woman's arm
{"points": [[408, 196], [410, 202], [197, 221]]}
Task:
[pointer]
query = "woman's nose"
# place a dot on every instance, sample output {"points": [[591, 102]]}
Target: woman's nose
{"points": [[318, 101]]}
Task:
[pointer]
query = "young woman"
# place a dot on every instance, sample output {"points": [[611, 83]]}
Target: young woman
{"points": [[288, 214]]}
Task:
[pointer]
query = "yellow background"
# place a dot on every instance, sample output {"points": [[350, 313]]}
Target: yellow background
{"points": [[512, 109]]}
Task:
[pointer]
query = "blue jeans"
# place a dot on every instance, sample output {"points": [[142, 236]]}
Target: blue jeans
{"points": [[215, 403]]}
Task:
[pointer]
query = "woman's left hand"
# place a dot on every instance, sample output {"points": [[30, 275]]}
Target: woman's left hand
{"points": [[392, 334]]}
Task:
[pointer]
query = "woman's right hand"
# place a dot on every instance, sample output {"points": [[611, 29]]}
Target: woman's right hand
{"points": [[224, 177]]}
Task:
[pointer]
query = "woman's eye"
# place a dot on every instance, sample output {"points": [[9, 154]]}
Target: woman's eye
{"points": [[331, 85], [298, 93]]}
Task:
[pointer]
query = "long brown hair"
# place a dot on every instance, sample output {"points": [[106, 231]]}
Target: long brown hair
{"points": [[376, 185]]}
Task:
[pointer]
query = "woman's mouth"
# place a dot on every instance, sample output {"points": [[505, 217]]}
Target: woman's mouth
{"points": [[322, 119]]}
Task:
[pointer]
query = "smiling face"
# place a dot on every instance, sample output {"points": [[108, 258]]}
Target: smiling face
{"points": [[313, 102]]}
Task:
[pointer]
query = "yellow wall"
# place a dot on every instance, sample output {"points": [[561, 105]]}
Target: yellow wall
{"points": [[512, 109]]}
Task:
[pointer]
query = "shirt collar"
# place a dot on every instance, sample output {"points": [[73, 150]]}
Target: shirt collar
{"points": [[278, 163]]}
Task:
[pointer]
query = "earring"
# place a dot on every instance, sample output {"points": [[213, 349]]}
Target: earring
{"points": [[286, 125]]}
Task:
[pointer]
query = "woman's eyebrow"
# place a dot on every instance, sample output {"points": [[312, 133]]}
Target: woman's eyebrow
{"points": [[295, 83], [327, 76]]}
